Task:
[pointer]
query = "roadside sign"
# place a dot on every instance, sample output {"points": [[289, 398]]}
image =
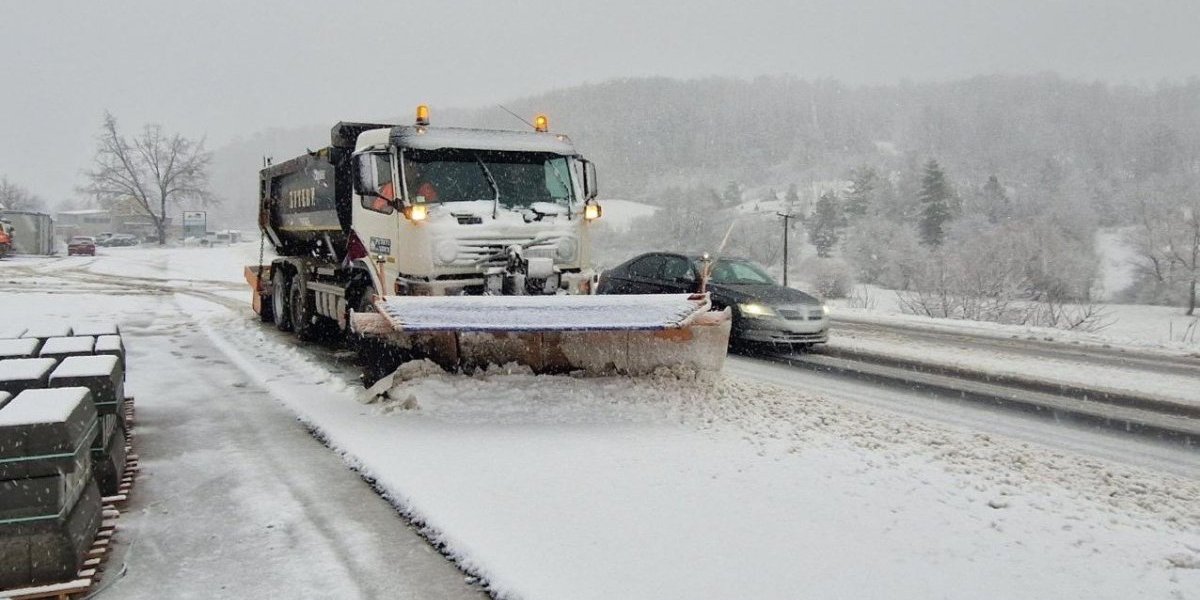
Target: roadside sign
{"points": [[195, 223]]}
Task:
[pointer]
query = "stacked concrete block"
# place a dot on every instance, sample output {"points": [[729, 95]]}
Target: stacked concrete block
{"points": [[47, 330], [104, 377], [49, 503], [59, 348], [19, 348], [8, 331], [95, 329], [20, 374], [111, 345]]}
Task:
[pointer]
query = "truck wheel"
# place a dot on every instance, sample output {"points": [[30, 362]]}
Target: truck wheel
{"points": [[302, 324], [279, 301]]}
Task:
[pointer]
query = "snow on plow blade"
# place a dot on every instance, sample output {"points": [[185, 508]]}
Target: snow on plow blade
{"points": [[552, 334]]}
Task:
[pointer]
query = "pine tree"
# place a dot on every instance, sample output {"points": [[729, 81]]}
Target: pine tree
{"points": [[792, 198], [732, 196], [995, 201], [935, 202], [825, 227], [861, 197]]}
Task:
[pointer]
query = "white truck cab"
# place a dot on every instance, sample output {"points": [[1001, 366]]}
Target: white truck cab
{"points": [[445, 211]]}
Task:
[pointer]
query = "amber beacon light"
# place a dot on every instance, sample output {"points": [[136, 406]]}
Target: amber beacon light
{"points": [[541, 123], [423, 114]]}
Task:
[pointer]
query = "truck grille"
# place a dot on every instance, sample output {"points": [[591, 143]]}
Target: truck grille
{"points": [[489, 252]]}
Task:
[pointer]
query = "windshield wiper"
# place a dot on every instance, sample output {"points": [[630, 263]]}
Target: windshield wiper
{"points": [[495, 187]]}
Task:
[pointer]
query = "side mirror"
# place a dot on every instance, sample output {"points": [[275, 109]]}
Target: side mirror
{"points": [[589, 179], [364, 175]]}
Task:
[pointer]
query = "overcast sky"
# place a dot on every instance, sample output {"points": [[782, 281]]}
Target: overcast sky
{"points": [[224, 68]]}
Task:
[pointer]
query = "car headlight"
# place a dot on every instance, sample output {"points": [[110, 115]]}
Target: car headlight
{"points": [[566, 250], [825, 309], [756, 310], [445, 252]]}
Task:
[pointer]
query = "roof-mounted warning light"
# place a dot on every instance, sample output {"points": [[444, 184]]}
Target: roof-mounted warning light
{"points": [[422, 114], [541, 123]]}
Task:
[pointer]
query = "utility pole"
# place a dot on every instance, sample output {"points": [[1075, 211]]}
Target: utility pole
{"points": [[786, 226]]}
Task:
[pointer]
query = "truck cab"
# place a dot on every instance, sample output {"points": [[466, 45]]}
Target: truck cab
{"points": [[446, 211]]}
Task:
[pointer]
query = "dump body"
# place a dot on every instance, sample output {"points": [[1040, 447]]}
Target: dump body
{"points": [[305, 201]]}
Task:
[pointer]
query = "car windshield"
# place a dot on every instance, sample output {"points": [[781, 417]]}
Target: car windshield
{"points": [[516, 179], [739, 272]]}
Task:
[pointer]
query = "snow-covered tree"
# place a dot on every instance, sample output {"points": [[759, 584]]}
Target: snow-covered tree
{"points": [[935, 199], [16, 197], [732, 196], [153, 170], [996, 204], [791, 199], [884, 252], [825, 226], [861, 196], [1167, 239]]}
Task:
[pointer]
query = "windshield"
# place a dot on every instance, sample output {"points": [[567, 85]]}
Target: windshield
{"points": [[739, 272], [516, 179]]}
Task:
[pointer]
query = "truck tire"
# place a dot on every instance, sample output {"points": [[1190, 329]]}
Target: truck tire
{"points": [[302, 313], [279, 300]]}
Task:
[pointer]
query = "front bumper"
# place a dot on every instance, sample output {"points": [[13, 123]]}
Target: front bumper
{"points": [[777, 330]]}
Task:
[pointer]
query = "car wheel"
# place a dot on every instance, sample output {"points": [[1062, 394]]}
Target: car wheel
{"points": [[279, 301]]}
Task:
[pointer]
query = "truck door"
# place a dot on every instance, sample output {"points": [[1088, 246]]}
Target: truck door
{"points": [[374, 218]]}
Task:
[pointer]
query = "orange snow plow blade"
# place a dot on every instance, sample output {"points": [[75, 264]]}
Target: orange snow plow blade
{"points": [[607, 334]]}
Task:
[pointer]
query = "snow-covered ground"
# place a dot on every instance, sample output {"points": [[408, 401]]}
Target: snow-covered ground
{"points": [[668, 486], [1159, 328], [1077, 371]]}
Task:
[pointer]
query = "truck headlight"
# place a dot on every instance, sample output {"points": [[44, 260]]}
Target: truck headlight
{"points": [[825, 309], [566, 250], [756, 310], [445, 252]]}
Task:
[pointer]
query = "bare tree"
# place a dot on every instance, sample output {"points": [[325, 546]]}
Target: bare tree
{"points": [[1167, 239], [15, 197], [150, 171]]}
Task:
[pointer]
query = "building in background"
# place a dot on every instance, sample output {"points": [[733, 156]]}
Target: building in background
{"points": [[119, 217], [89, 222]]}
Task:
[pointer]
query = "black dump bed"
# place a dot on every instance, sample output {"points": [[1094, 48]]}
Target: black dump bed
{"points": [[304, 203]]}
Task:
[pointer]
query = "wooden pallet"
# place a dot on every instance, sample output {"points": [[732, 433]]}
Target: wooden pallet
{"points": [[130, 413], [87, 576], [97, 554]]}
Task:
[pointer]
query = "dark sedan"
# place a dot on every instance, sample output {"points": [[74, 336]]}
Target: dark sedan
{"points": [[763, 311]]}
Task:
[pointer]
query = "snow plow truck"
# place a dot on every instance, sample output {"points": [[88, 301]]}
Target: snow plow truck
{"points": [[466, 247]]}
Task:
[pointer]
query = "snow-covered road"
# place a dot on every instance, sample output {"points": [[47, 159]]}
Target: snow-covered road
{"points": [[751, 484]]}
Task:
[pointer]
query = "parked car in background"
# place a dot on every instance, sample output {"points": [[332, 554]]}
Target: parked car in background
{"points": [[763, 310], [82, 244], [120, 239], [102, 238]]}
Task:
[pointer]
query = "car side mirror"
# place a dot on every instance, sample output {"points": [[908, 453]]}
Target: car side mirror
{"points": [[364, 175], [589, 179]]}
